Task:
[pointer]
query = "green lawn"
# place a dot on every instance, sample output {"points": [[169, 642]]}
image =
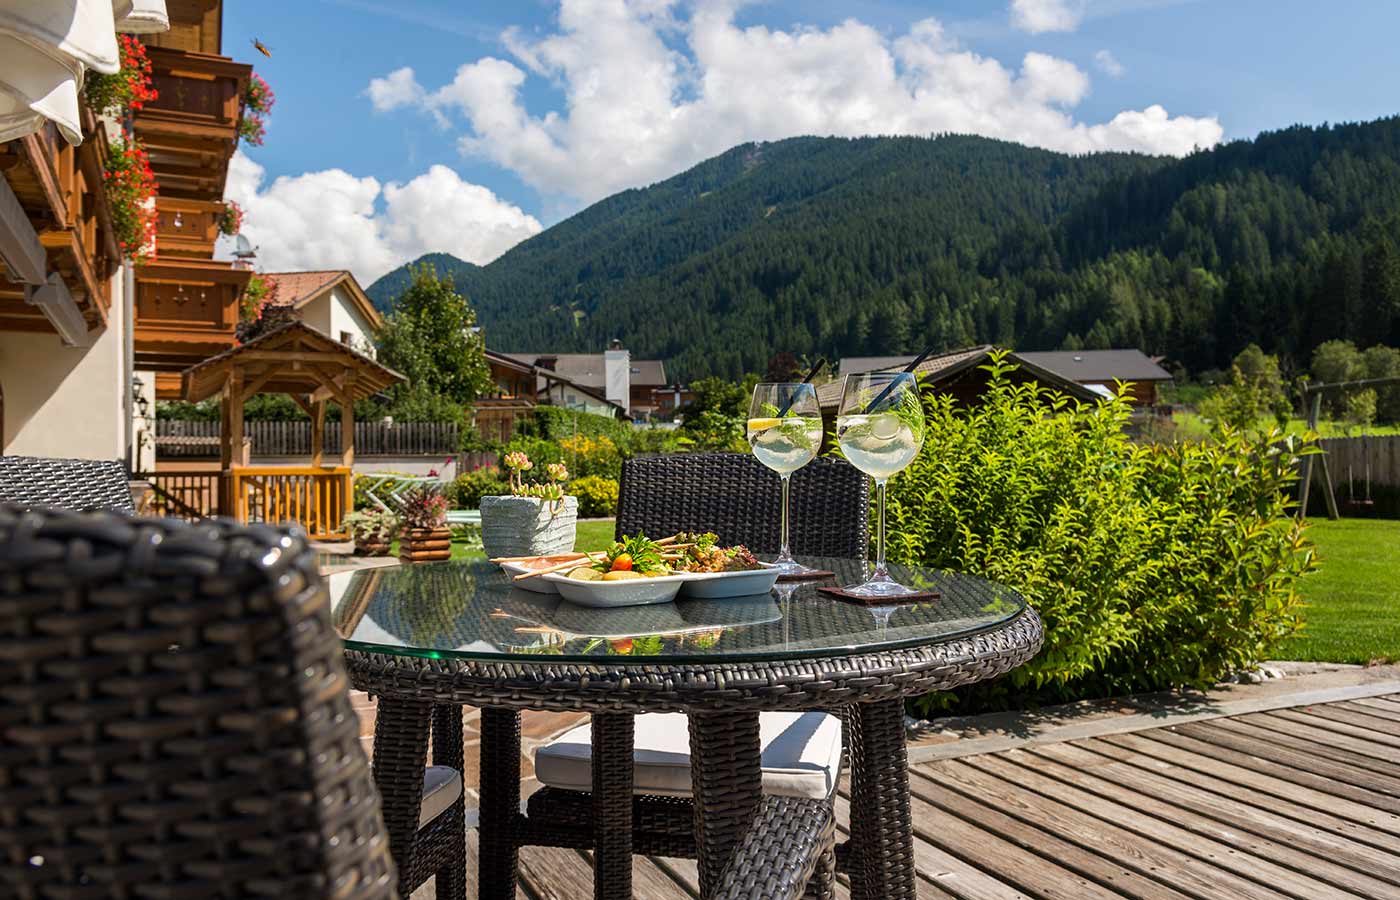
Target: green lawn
{"points": [[1191, 427], [594, 536], [1353, 613]]}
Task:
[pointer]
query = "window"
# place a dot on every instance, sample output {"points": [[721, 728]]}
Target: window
{"points": [[347, 339]]}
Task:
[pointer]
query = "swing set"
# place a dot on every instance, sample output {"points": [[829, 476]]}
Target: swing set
{"points": [[1315, 392]]}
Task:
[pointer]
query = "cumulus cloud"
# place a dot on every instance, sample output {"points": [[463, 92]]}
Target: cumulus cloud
{"points": [[1109, 64], [334, 220], [1037, 16], [398, 88], [651, 87]]}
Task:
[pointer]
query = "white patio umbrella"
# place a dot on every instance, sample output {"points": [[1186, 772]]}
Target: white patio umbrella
{"points": [[44, 47], [141, 16]]}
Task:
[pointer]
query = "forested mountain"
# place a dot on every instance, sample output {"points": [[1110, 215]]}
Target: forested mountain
{"points": [[877, 246]]}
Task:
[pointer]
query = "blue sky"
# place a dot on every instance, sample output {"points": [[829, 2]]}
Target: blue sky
{"points": [[568, 114]]}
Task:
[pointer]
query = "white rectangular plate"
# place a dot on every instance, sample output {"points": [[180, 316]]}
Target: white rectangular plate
{"points": [[537, 584], [714, 585]]}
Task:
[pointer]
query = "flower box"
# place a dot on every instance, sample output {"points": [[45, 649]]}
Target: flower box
{"points": [[528, 526], [425, 544]]}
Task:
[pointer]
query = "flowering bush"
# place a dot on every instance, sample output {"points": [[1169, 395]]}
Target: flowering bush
{"points": [[131, 190], [597, 497], [129, 88], [257, 106], [594, 454], [231, 219], [423, 506], [259, 292]]}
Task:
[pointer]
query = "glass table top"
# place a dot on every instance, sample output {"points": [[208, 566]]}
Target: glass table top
{"points": [[469, 609]]}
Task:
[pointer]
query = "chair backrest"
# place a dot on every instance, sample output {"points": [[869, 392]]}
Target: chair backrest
{"points": [[77, 484], [736, 497], [174, 716]]}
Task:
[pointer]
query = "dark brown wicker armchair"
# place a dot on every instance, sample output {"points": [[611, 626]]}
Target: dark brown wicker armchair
{"points": [[79, 484], [175, 721], [736, 497]]}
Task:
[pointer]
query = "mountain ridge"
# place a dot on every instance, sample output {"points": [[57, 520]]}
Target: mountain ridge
{"points": [[883, 245]]}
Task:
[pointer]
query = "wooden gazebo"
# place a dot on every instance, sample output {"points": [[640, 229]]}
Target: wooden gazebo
{"points": [[297, 360]]}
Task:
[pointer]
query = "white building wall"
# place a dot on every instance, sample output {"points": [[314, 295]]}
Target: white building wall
{"points": [[334, 313], [68, 401]]}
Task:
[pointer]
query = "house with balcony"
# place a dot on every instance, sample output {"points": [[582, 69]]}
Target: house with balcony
{"points": [[639, 387], [332, 302]]}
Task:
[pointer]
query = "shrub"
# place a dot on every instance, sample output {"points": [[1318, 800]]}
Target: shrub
{"points": [[466, 492], [555, 423], [597, 497], [594, 455], [540, 451], [372, 525], [423, 506], [1151, 566]]}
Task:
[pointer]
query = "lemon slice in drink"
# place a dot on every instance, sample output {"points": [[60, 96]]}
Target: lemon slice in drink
{"points": [[884, 427], [762, 424]]}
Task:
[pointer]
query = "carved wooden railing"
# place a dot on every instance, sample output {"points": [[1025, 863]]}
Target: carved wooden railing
{"points": [[191, 495], [317, 498]]}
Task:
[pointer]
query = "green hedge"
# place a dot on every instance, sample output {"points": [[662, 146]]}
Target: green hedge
{"points": [[597, 497], [1152, 566], [466, 491]]}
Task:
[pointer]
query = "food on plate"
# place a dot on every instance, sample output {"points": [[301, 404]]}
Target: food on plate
{"points": [[546, 562], [585, 573], [635, 556], [703, 553], [621, 575]]}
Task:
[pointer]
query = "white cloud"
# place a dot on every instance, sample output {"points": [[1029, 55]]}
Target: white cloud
{"points": [[648, 94], [398, 88], [333, 220], [1109, 64], [1037, 16]]}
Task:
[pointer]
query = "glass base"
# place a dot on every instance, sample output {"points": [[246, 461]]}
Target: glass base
{"points": [[879, 587], [790, 567]]}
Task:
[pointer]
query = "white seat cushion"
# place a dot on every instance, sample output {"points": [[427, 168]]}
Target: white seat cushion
{"points": [[801, 755], [441, 788]]}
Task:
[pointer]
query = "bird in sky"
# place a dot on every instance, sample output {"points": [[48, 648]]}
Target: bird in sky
{"points": [[262, 48]]}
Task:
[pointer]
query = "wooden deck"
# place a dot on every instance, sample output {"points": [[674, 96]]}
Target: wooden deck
{"points": [[1298, 802]]}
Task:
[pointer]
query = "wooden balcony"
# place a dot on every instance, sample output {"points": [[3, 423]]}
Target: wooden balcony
{"points": [[186, 311], [191, 129], [187, 228]]}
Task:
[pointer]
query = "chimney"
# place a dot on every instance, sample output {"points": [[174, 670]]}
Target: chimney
{"points": [[617, 375]]}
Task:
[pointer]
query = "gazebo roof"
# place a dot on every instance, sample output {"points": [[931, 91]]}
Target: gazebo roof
{"points": [[291, 359]]}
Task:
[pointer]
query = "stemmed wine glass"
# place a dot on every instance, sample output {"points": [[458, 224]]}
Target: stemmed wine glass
{"points": [[880, 429], [785, 432]]}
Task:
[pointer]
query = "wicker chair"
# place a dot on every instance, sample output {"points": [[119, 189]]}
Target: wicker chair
{"points": [[176, 721], [736, 497], [78, 484]]}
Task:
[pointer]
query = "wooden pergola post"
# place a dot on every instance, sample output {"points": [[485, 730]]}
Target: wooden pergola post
{"points": [[347, 420], [318, 431]]}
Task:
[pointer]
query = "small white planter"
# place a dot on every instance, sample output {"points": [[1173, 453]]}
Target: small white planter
{"points": [[525, 526]]}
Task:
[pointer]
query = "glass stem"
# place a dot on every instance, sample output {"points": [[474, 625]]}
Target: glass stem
{"points": [[880, 570], [786, 553]]}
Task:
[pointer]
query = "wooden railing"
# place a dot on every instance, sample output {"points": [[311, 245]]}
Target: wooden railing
{"points": [[192, 439], [316, 498], [189, 495]]}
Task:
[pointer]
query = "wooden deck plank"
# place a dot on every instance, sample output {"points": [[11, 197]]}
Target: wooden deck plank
{"points": [[1385, 709], [954, 874], [1349, 820], [1301, 864], [1108, 877], [1345, 721], [1299, 772], [1371, 787], [1338, 747], [555, 873], [1149, 856], [1384, 701]]}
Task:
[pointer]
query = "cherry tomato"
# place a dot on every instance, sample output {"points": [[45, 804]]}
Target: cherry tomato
{"points": [[622, 646], [623, 563]]}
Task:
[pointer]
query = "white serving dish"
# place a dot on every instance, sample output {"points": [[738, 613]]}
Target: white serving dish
{"points": [[535, 585], [714, 585], [627, 592]]}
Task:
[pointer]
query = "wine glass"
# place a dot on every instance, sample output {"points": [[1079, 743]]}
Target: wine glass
{"points": [[880, 429], [785, 432]]}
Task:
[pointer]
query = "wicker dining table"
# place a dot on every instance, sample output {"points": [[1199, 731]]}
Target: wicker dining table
{"points": [[428, 639]]}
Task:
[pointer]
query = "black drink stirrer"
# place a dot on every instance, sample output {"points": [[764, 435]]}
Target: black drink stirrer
{"points": [[815, 371], [870, 407]]}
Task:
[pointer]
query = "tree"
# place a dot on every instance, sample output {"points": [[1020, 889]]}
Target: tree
{"points": [[1260, 371], [782, 367], [1335, 361], [431, 338], [1384, 362]]}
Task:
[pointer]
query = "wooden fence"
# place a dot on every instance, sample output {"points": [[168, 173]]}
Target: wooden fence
{"points": [[1372, 457], [178, 438]]}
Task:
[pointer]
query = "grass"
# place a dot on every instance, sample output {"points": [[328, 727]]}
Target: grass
{"points": [[1191, 427], [1353, 613], [594, 536]]}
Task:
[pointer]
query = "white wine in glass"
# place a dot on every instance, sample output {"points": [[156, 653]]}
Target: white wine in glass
{"points": [[785, 432], [880, 429]]}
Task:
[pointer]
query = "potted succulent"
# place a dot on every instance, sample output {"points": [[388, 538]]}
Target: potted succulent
{"points": [[425, 535], [536, 519], [373, 530]]}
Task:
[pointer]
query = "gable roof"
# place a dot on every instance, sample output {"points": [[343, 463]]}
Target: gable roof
{"points": [[297, 289], [1100, 365], [546, 375], [946, 365], [586, 369], [296, 356]]}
